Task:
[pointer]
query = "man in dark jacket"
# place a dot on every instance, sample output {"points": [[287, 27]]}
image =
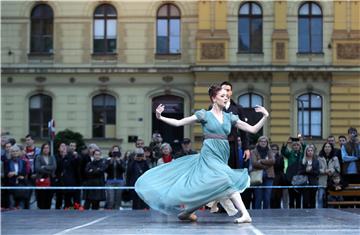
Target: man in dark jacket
{"points": [[236, 109], [135, 169], [185, 148]]}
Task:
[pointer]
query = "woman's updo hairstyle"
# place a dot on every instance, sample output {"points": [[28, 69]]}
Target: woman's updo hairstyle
{"points": [[213, 90]]}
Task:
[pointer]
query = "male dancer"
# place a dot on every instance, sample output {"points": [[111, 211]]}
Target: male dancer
{"points": [[236, 109]]}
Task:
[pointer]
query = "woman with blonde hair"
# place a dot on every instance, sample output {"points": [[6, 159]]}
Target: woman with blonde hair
{"points": [[311, 168], [262, 158]]}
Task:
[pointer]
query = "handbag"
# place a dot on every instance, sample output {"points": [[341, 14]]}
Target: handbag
{"points": [[256, 177], [299, 180], [42, 182]]}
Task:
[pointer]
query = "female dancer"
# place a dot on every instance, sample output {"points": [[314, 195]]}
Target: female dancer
{"points": [[190, 182]]}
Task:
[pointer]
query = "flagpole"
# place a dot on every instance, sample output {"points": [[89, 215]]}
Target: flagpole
{"points": [[51, 127]]}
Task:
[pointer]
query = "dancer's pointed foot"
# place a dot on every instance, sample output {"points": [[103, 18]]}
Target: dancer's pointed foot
{"points": [[243, 219], [186, 216]]}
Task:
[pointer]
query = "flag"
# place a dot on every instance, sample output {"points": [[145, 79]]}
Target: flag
{"points": [[51, 126]]}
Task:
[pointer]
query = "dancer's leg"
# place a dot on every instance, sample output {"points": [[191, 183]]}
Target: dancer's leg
{"points": [[236, 199], [228, 206]]}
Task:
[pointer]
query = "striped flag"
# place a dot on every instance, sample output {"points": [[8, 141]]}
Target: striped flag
{"points": [[51, 126]]}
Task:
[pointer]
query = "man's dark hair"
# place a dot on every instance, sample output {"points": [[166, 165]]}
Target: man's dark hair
{"points": [[342, 136], [274, 146], [226, 83], [352, 130], [28, 135], [12, 141]]}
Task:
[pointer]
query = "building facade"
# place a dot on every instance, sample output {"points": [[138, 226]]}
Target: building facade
{"points": [[100, 67]]}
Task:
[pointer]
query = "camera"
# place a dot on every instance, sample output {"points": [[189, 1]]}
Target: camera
{"points": [[116, 154]]}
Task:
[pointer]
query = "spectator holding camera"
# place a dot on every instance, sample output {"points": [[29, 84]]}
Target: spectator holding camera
{"points": [[155, 145], [293, 152], [115, 177], [351, 157], [135, 169], [139, 143]]}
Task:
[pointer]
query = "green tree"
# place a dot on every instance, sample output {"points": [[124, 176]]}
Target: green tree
{"points": [[66, 136]]}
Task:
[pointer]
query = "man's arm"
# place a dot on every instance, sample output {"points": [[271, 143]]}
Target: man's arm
{"points": [[245, 143]]}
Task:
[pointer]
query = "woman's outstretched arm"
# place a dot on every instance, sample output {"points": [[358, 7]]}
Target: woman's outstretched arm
{"points": [[254, 129], [172, 121]]}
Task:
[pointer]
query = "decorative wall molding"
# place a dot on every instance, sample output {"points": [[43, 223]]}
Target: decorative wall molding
{"points": [[212, 51], [104, 79], [348, 51], [40, 79], [313, 76], [280, 50], [247, 76]]}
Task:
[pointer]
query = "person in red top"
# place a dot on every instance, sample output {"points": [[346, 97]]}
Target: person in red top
{"points": [[31, 152], [166, 156]]}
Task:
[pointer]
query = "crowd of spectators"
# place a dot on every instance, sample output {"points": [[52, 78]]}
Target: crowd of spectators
{"points": [[70, 166], [332, 167]]}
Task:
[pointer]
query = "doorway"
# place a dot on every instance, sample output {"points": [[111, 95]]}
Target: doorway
{"points": [[174, 108]]}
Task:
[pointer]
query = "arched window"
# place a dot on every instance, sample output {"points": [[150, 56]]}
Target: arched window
{"points": [[310, 28], [104, 116], [42, 25], [310, 115], [40, 113], [250, 100], [168, 30], [250, 28], [105, 29]]}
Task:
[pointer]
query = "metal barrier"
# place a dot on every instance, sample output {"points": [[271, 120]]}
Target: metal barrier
{"points": [[131, 187]]}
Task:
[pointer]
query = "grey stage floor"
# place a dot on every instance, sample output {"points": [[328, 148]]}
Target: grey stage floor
{"points": [[315, 221]]}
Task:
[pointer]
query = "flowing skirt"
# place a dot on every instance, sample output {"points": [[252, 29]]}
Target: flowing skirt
{"points": [[191, 181]]}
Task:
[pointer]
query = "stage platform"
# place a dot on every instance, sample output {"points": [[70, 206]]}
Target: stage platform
{"points": [[276, 222]]}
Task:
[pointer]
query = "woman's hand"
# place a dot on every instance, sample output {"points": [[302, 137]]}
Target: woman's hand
{"points": [[159, 110], [260, 109]]}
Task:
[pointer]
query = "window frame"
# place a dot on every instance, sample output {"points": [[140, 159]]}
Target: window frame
{"points": [[43, 21], [101, 109], [310, 18], [310, 109], [251, 95], [251, 17], [105, 17], [42, 123], [168, 18]]}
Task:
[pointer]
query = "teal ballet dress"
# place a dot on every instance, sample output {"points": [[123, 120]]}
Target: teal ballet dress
{"points": [[190, 182]]}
